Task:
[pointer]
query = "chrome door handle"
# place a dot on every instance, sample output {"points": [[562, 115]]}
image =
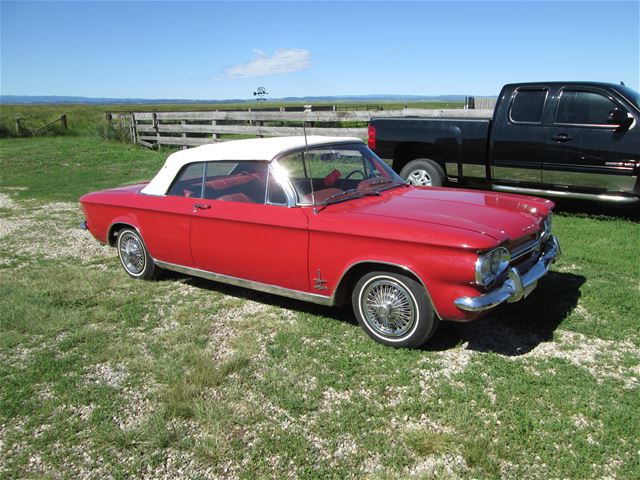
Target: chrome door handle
{"points": [[563, 137], [201, 206]]}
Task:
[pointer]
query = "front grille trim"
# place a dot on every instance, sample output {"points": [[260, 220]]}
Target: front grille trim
{"points": [[525, 249]]}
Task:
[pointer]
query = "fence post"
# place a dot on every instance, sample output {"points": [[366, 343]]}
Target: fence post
{"points": [[18, 126], [63, 121], [155, 125], [132, 127], [184, 134], [214, 136]]}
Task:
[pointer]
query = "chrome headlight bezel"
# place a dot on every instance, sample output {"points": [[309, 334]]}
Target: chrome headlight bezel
{"points": [[547, 226], [491, 265]]}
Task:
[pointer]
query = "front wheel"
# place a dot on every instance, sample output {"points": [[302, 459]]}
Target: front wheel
{"points": [[134, 256], [423, 172], [394, 309]]}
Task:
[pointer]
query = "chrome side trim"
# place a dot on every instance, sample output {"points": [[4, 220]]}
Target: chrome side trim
{"points": [[517, 285], [468, 170], [576, 195], [240, 282], [474, 170], [524, 173], [609, 181]]}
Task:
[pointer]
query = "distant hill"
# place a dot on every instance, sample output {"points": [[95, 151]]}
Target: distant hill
{"points": [[55, 99]]}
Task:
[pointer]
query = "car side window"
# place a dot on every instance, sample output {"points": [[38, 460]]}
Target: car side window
{"points": [[583, 108], [527, 106], [296, 170], [188, 182], [275, 193], [233, 181]]}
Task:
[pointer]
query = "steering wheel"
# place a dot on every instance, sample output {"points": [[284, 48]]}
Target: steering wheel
{"points": [[354, 172]]}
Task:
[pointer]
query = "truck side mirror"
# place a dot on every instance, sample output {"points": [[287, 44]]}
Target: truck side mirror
{"points": [[619, 117]]}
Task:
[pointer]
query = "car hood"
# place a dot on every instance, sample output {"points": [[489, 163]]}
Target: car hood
{"points": [[500, 216]]}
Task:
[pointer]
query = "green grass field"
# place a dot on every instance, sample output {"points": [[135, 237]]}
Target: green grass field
{"points": [[104, 376]]}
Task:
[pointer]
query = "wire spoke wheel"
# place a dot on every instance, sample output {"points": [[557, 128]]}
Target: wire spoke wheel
{"points": [[388, 308], [132, 253]]}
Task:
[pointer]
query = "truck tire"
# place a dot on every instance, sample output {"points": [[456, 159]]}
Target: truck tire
{"points": [[423, 172]]}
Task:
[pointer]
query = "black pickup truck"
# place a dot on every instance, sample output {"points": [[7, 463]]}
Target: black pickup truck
{"points": [[562, 139]]}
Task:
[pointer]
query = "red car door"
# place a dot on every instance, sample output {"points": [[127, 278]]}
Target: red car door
{"points": [[237, 231], [164, 225], [165, 221]]}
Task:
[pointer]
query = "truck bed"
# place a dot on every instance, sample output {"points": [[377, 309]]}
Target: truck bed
{"points": [[456, 141]]}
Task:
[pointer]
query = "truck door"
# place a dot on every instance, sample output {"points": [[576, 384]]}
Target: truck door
{"points": [[584, 148], [518, 139]]}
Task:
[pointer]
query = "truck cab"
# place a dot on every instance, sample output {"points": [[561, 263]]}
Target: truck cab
{"points": [[558, 139], [577, 138]]}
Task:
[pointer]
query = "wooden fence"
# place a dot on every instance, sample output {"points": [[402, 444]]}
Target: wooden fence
{"points": [[188, 129], [480, 103], [24, 130]]}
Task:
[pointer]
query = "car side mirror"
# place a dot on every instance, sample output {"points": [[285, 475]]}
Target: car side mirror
{"points": [[619, 117]]}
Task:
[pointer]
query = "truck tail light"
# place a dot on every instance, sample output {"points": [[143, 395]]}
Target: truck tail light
{"points": [[372, 137]]}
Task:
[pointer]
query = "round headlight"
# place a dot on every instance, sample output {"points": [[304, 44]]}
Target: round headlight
{"points": [[491, 265]]}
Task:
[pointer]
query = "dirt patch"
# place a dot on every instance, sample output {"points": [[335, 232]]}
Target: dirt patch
{"points": [[602, 358], [49, 231], [106, 374], [447, 365], [7, 202]]}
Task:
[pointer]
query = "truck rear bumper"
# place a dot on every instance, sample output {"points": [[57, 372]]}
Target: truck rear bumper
{"points": [[516, 286]]}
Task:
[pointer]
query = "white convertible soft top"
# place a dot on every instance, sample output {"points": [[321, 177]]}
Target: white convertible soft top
{"points": [[261, 149]]}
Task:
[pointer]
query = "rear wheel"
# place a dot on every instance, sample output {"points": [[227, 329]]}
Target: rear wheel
{"points": [[394, 309], [134, 257], [423, 172]]}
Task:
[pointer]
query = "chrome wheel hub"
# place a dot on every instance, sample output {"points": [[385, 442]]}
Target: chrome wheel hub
{"points": [[132, 253], [388, 308], [419, 178]]}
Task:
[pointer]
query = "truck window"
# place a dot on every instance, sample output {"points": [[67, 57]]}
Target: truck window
{"points": [[527, 106], [583, 108]]}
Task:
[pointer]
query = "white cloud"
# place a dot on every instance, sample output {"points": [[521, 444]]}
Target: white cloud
{"points": [[282, 61]]}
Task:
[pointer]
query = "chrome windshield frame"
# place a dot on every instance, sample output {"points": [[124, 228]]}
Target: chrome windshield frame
{"points": [[287, 184]]}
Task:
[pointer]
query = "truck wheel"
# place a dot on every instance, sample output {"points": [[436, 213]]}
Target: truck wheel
{"points": [[394, 309], [423, 172]]}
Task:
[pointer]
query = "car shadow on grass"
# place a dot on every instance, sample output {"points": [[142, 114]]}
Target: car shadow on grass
{"points": [[516, 329], [511, 329], [338, 313]]}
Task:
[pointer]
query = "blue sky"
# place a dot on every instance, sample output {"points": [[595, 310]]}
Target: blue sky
{"points": [[221, 50]]}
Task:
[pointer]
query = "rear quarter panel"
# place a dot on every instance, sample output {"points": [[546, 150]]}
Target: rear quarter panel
{"points": [[163, 222]]}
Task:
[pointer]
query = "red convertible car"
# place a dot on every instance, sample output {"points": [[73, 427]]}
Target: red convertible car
{"points": [[326, 221]]}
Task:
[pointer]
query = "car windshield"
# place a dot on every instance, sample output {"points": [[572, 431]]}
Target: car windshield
{"points": [[331, 174]]}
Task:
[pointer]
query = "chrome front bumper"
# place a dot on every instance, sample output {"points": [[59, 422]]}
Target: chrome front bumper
{"points": [[516, 286]]}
